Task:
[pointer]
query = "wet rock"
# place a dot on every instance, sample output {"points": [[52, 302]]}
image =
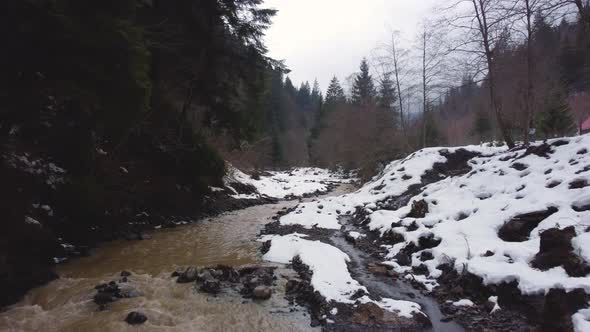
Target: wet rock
{"points": [[125, 274], [104, 298], [391, 237], [262, 293], [556, 250], [377, 269], [371, 316], [189, 275], [519, 228], [404, 256], [419, 209], [136, 318], [211, 286]]}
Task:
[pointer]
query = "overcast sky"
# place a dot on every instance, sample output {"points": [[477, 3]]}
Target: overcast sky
{"points": [[322, 38]]}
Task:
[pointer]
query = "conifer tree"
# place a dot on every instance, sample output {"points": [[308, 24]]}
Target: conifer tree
{"points": [[363, 89], [556, 120], [387, 98], [304, 96], [335, 93]]}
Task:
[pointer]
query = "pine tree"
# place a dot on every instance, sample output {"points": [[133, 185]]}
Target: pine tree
{"points": [[335, 93], [363, 89], [316, 96], [556, 120], [290, 88], [387, 99], [304, 96]]}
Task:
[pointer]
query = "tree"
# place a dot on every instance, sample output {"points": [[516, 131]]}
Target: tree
{"points": [[316, 97], [304, 96], [335, 93], [363, 88], [387, 98], [432, 67], [556, 119], [483, 24]]}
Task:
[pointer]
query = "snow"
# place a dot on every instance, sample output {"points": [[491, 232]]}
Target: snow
{"points": [[328, 263], [32, 221], [296, 182], [494, 300], [330, 275], [356, 235], [581, 321], [463, 303], [466, 211]]}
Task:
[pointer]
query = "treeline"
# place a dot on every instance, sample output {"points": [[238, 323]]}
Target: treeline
{"points": [[559, 96]]}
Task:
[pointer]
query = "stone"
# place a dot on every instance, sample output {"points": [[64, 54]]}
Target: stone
{"points": [[419, 209], [262, 293], [136, 318], [211, 287], [189, 275], [518, 229]]}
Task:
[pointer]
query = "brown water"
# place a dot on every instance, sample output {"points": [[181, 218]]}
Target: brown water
{"points": [[66, 304]]}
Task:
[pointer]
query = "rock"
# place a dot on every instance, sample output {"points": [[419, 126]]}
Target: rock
{"points": [[189, 275], [559, 308], [370, 316], [419, 209], [125, 274], [136, 318], [556, 250], [518, 229], [428, 241], [377, 269], [211, 287], [391, 237], [262, 293], [104, 298], [426, 256]]}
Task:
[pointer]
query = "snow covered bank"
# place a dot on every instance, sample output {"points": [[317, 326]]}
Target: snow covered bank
{"points": [[330, 275], [294, 183], [504, 216]]}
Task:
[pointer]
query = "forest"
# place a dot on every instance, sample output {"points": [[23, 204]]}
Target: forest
{"points": [[146, 140]]}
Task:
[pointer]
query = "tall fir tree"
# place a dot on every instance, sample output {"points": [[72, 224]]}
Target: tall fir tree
{"points": [[387, 98], [363, 88], [556, 119], [304, 96], [335, 93], [316, 97]]}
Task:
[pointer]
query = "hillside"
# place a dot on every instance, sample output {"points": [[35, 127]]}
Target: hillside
{"points": [[473, 225]]}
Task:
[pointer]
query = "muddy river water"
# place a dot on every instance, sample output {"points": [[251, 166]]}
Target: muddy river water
{"points": [[66, 304]]}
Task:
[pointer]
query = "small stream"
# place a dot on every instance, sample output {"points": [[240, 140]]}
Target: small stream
{"points": [[390, 288]]}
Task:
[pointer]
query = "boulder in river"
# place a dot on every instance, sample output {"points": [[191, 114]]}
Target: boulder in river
{"points": [[262, 293], [189, 275], [136, 318], [211, 287]]}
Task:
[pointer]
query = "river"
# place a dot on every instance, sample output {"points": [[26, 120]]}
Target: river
{"points": [[66, 304]]}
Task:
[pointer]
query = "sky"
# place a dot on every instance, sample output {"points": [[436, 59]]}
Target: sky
{"points": [[323, 38]]}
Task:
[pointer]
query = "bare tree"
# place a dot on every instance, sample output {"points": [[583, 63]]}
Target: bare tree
{"points": [[432, 63], [481, 24], [392, 59]]}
